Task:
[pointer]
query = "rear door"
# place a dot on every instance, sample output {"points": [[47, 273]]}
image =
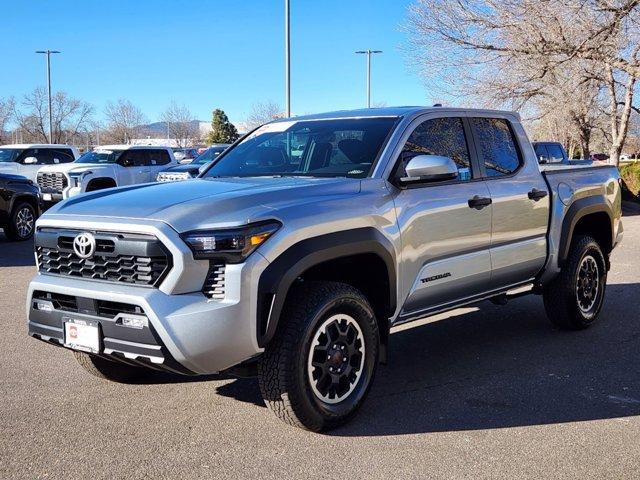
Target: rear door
{"points": [[520, 200], [445, 241]]}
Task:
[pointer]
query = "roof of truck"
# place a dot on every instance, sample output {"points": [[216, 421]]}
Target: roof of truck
{"points": [[394, 112], [37, 145], [130, 147]]}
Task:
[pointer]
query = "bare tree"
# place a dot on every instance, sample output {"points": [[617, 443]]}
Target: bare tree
{"points": [[525, 49], [7, 107], [70, 116], [124, 121], [261, 113], [181, 124]]}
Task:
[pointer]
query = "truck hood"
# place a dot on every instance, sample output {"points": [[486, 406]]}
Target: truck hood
{"points": [[205, 203], [9, 167], [79, 167]]}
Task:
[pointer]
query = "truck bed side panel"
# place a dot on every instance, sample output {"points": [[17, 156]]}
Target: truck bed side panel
{"points": [[580, 187]]}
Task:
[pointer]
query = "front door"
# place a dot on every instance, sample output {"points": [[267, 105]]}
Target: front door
{"points": [[132, 167], [445, 237]]}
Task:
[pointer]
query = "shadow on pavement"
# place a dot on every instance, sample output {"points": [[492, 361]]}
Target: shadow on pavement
{"points": [[500, 367], [630, 209], [16, 254]]}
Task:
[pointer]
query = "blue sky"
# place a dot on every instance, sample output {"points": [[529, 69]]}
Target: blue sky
{"points": [[208, 54]]}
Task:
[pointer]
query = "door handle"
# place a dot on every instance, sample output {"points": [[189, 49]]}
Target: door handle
{"points": [[479, 202], [536, 194]]}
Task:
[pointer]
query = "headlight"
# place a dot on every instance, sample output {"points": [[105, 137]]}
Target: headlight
{"points": [[78, 176], [231, 245]]}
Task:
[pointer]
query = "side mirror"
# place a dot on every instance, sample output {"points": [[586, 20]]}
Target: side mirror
{"points": [[30, 161], [126, 162], [430, 168], [542, 160]]}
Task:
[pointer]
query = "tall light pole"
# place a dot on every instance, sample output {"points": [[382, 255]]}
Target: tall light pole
{"points": [[287, 59], [48, 54], [368, 53]]}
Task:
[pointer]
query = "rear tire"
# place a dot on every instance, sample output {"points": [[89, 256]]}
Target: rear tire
{"points": [[22, 223], [573, 300], [106, 369], [318, 369]]}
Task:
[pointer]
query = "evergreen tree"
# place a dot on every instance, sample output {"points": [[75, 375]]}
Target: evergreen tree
{"points": [[222, 130]]}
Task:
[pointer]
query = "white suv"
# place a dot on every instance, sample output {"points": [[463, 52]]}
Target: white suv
{"points": [[105, 167], [27, 159]]}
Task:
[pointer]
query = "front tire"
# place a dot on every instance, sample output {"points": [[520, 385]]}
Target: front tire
{"points": [[108, 370], [22, 222], [573, 300], [318, 369]]}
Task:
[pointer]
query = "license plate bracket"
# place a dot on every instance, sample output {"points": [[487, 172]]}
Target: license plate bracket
{"points": [[81, 334]]}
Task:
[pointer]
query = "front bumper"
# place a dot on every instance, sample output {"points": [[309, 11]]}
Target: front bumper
{"points": [[201, 336], [188, 332]]}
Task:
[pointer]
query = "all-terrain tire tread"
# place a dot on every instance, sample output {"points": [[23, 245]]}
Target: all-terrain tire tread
{"points": [[276, 366], [559, 295]]}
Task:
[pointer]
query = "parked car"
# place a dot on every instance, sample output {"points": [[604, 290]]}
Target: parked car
{"points": [[18, 206], [296, 267], [105, 167], [599, 157], [27, 159], [191, 170], [185, 155], [554, 153]]}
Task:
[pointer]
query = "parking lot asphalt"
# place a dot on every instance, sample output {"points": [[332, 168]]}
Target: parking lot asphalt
{"points": [[485, 392]]}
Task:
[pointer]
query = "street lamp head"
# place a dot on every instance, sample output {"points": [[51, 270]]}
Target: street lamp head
{"points": [[47, 51]]}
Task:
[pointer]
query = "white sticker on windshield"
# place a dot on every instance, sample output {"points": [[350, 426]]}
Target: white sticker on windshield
{"points": [[273, 128]]}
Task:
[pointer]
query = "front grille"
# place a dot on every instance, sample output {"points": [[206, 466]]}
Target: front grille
{"points": [[172, 177], [66, 303], [52, 182], [108, 309], [120, 258], [214, 284]]}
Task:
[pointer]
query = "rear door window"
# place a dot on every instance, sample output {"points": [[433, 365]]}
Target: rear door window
{"points": [[158, 157], [62, 155], [496, 146]]}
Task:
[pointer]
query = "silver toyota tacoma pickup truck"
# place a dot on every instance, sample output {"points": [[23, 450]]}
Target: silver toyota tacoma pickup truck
{"points": [[299, 248]]}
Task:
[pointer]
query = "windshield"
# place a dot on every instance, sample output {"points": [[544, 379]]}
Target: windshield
{"points": [[316, 148], [9, 154], [208, 155], [100, 156]]}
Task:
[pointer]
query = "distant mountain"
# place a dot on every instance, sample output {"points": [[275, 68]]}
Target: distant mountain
{"points": [[160, 128]]}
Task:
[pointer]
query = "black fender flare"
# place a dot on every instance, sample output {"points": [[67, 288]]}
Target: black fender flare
{"points": [[280, 274], [578, 210]]}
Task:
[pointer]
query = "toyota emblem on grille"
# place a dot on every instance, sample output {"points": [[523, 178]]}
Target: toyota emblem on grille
{"points": [[84, 245]]}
